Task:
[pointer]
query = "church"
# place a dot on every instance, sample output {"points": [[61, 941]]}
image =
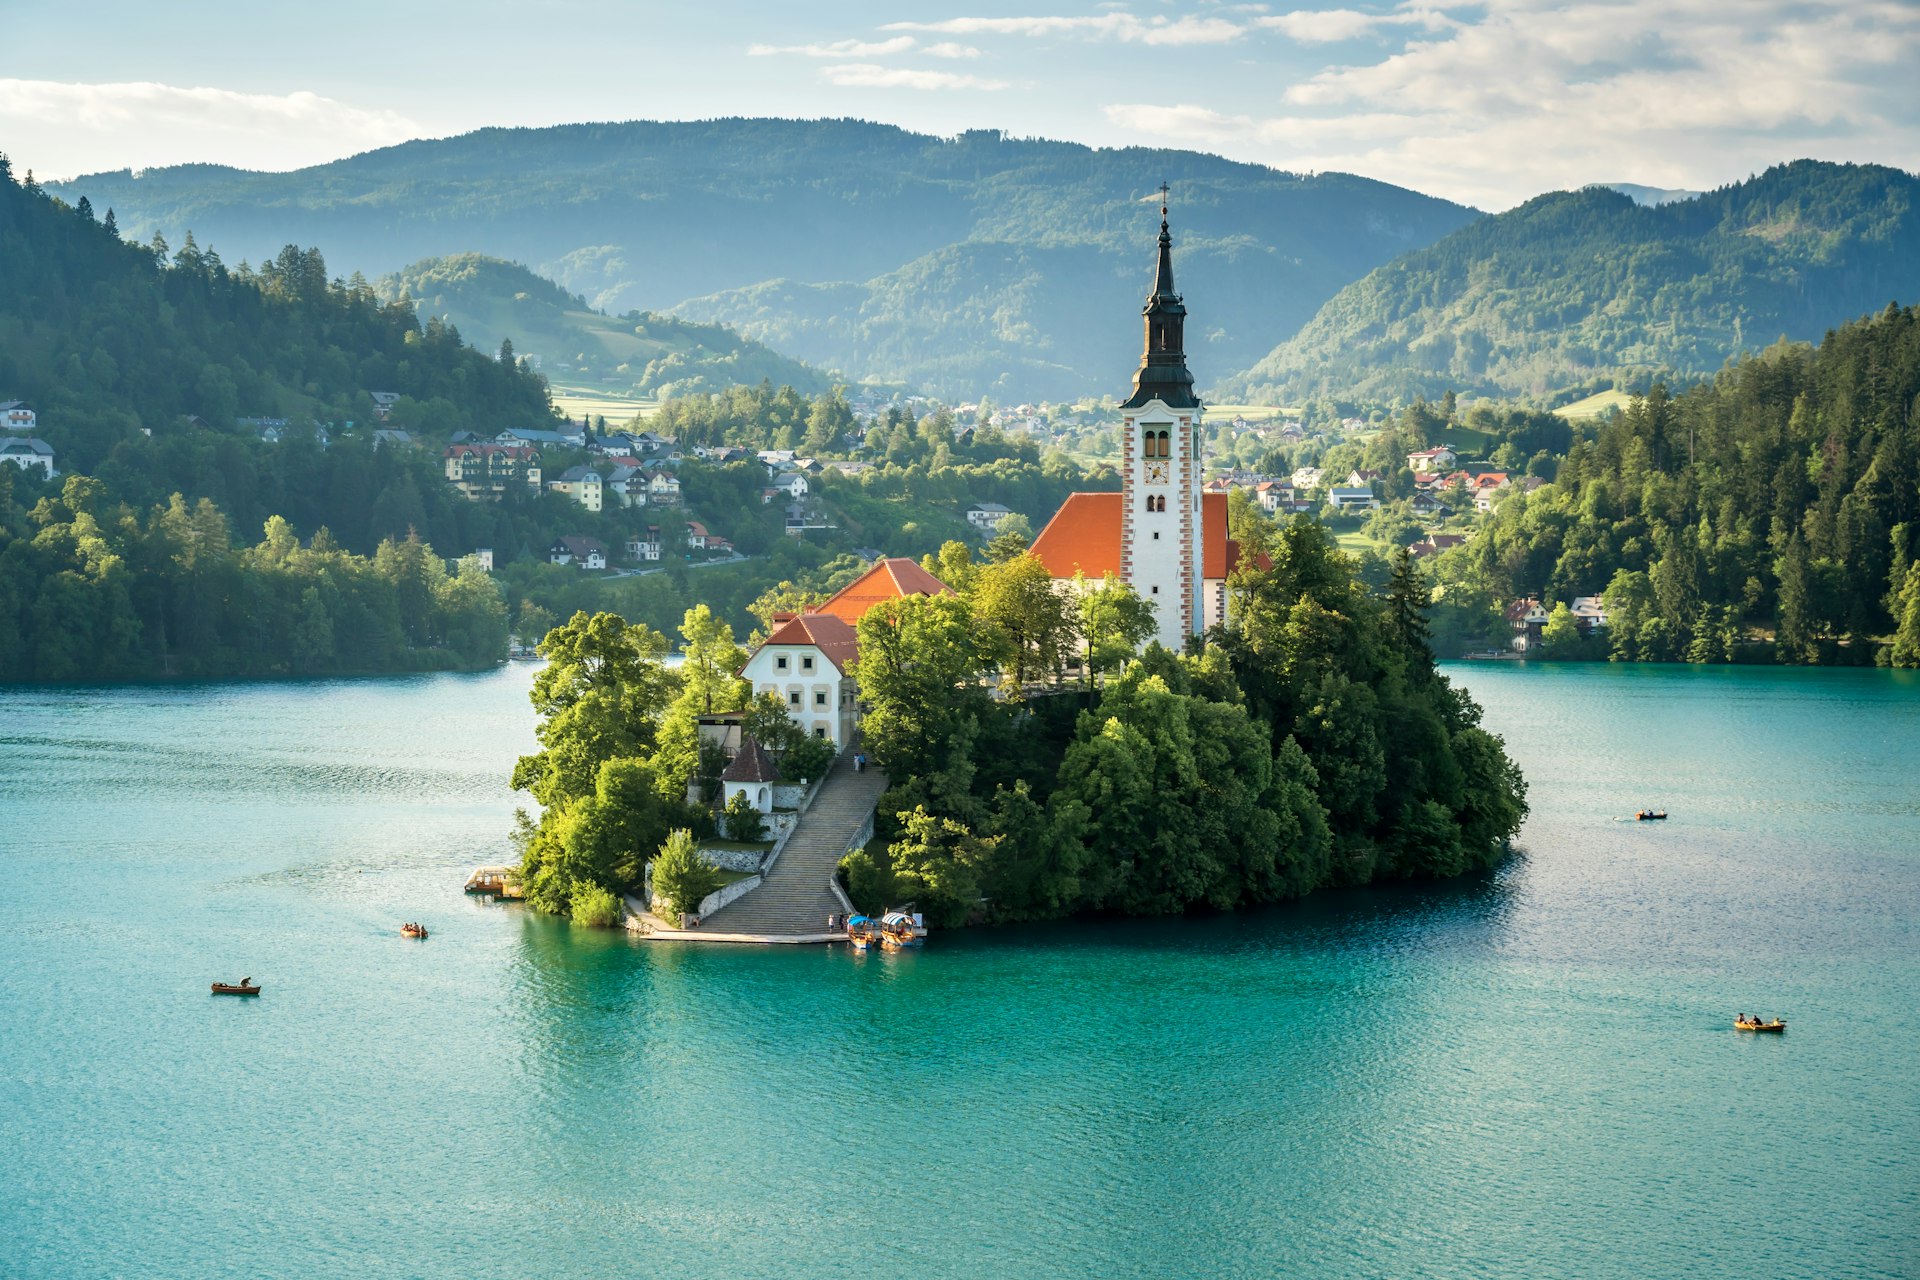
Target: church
{"points": [[1160, 534]]}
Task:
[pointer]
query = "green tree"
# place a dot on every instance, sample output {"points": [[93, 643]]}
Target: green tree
{"points": [[681, 877], [744, 822], [1561, 636], [1026, 625], [940, 864]]}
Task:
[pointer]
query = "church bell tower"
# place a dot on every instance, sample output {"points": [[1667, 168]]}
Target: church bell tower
{"points": [[1160, 520]]}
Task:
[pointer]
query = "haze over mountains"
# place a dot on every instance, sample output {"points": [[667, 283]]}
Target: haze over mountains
{"points": [[983, 264], [640, 353], [1584, 289], [970, 264]]}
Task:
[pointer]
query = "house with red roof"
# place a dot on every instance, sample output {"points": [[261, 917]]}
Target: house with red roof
{"points": [[808, 660]]}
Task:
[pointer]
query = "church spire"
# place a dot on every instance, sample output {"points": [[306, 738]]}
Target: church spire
{"points": [[1163, 371]]}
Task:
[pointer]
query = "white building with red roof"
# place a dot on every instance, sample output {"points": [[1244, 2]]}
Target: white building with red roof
{"points": [[808, 660], [1161, 534]]}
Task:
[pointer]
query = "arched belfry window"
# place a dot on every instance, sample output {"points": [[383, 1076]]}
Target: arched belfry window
{"points": [[1156, 444]]}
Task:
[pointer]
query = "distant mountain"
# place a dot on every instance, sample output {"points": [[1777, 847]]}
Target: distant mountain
{"points": [[860, 247], [1649, 195], [641, 352], [1585, 288]]}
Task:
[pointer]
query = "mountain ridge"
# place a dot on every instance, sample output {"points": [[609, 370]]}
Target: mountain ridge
{"points": [[653, 215], [1580, 290]]}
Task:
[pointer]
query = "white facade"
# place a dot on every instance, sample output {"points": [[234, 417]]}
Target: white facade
{"points": [[819, 695], [1161, 551]]}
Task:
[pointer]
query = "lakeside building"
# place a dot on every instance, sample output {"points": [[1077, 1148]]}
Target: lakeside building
{"points": [[1160, 534], [808, 658]]}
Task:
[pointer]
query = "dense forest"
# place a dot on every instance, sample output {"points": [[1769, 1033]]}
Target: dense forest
{"points": [[951, 260], [640, 353], [94, 589], [1771, 514], [1309, 742], [1583, 290], [139, 363]]}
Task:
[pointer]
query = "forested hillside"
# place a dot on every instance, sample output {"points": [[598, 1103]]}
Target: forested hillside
{"points": [[641, 353], [136, 561], [1780, 503], [1587, 289], [648, 215]]}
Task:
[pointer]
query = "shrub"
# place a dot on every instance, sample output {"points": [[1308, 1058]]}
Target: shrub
{"points": [[808, 759], [595, 906], [681, 877], [867, 879], [743, 820]]}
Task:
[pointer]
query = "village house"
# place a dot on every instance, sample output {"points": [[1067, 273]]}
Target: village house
{"points": [[1349, 498], [645, 546], [1434, 543], [1431, 461], [807, 660], [1425, 504], [985, 515], [588, 553], [15, 416], [1528, 620], [392, 438], [697, 535], [1588, 614], [483, 556], [485, 470], [663, 489], [1308, 478], [582, 484], [383, 402], [29, 453], [627, 483], [789, 485], [1358, 479], [614, 444], [646, 444], [568, 436]]}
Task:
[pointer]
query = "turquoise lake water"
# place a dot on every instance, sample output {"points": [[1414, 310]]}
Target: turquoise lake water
{"points": [[1529, 1075]]}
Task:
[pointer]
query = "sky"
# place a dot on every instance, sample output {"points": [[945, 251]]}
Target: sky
{"points": [[1488, 103]]}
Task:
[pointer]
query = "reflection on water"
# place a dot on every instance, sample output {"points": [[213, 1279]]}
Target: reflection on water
{"points": [[1526, 1073]]}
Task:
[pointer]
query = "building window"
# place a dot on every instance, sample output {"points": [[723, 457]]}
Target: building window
{"points": [[819, 731], [806, 664], [793, 695], [819, 697], [780, 663], [1156, 591], [1156, 535]]}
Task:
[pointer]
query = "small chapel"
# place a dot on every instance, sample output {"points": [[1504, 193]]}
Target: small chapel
{"points": [[1160, 534]]}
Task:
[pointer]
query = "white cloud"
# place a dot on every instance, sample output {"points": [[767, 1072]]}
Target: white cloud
{"points": [[1325, 26], [103, 126], [1187, 30], [871, 75], [949, 49], [1507, 98], [837, 49]]}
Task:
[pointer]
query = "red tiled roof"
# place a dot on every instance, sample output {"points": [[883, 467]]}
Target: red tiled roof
{"points": [[893, 578], [1084, 537], [834, 637]]}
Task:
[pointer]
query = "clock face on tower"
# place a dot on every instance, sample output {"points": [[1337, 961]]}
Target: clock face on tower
{"points": [[1156, 473]]}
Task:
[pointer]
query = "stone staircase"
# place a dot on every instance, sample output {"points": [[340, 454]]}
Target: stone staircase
{"points": [[794, 899]]}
